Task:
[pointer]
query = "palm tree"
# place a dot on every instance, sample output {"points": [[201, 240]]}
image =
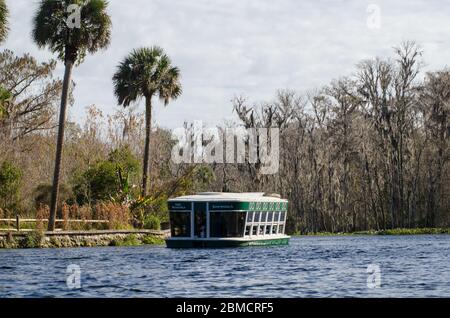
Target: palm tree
{"points": [[146, 72], [4, 95], [3, 20], [71, 43]]}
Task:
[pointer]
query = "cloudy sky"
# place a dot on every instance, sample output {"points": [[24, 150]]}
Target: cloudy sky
{"points": [[245, 47]]}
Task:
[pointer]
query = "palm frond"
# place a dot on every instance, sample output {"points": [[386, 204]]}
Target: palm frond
{"points": [[50, 28], [146, 72], [3, 20]]}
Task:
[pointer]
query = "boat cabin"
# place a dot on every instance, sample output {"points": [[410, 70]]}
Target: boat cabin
{"points": [[214, 219]]}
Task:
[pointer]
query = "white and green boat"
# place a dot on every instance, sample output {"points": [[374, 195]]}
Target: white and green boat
{"points": [[214, 219]]}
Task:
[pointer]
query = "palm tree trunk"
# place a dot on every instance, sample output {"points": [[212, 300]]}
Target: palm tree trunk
{"points": [[148, 128], [59, 145]]}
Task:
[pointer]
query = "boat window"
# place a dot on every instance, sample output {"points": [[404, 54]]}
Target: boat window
{"points": [[267, 229], [282, 216], [263, 216], [276, 216], [227, 224], [257, 215], [180, 224], [254, 229], [281, 229], [261, 230], [247, 230], [200, 219], [274, 229], [270, 217], [249, 216]]}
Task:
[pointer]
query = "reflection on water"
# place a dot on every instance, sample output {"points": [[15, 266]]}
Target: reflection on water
{"points": [[411, 266]]}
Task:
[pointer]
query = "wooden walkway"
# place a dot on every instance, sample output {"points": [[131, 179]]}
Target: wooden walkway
{"points": [[14, 232]]}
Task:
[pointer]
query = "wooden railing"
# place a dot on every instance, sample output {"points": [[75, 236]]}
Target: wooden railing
{"points": [[19, 220]]}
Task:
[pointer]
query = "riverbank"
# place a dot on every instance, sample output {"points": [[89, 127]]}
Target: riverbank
{"points": [[36, 239], [400, 231]]}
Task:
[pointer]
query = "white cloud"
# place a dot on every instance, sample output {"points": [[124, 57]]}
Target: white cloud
{"points": [[250, 47]]}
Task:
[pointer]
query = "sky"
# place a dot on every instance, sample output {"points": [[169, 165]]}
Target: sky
{"points": [[251, 48]]}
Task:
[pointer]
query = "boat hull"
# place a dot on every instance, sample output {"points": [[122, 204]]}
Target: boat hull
{"points": [[217, 243]]}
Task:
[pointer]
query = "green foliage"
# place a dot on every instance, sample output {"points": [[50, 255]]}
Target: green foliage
{"points": [[107, 180], [32, 240], [72, 43], [414, 231], [133, 240], [5, 96], [152, 222], [10, 179], [146, 72], [43, 193], [129, 240], [126, 165], [3, 20], [152, 240], [203, 177], [98, 183], [321, 234]]}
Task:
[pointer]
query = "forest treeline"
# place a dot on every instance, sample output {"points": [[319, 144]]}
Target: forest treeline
{"points": [[367, 151]]}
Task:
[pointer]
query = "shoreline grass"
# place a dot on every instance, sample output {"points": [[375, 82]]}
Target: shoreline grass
{"points": [[397, 231], [38, 239]]}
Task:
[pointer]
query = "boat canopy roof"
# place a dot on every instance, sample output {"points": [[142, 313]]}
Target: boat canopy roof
{"points": [[230, 197]]}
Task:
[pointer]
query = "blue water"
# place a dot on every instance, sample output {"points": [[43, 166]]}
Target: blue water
{"points": [[410, 266]]}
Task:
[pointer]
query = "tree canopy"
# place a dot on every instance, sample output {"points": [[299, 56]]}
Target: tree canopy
{"points": [[29, 94], [144, 73], [3, 20], [68, 42]]}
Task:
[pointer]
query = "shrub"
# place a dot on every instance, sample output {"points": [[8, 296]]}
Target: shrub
{"points": [[129, 240], [118, 215], [414, 231], [32, 240], [10, 178], [153, 240], [98, 183], [80, 213], [152, 222], [107, 179], [43, 194]]}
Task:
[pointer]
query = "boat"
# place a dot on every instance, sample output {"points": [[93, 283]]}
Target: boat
{"points": [[217, 219]]}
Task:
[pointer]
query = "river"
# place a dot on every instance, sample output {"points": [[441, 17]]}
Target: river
{"points": [[329, 266]]}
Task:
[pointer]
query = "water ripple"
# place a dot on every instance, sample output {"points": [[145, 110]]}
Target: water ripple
{"points": [[411, 266]]}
